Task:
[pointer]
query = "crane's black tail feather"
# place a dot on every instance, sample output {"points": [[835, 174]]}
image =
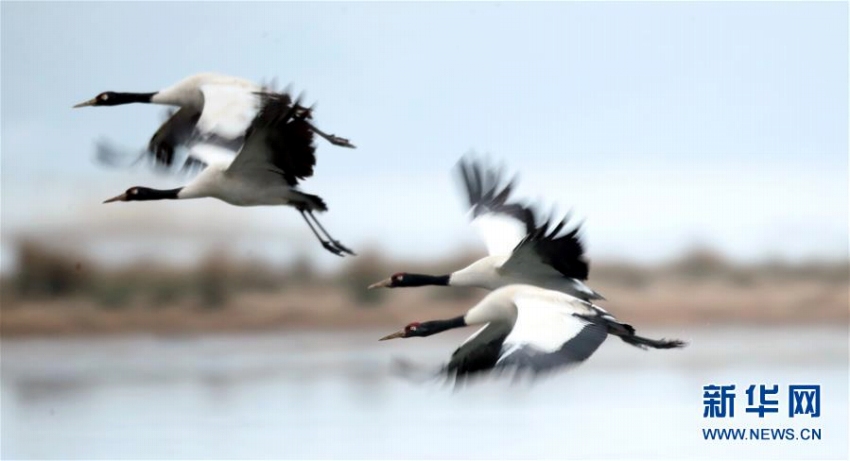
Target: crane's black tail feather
{"points": [[643, 343], [627, 333], [309, 202]]}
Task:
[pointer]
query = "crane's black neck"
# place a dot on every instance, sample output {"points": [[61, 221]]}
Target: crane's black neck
{"points": [[116, 99], [419, 280], [145, 193], [439, 326]]}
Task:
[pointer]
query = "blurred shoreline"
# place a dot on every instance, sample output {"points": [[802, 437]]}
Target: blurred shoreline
{"points": [[54, 293]]}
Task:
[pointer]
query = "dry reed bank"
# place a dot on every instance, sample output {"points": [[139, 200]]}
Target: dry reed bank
{"points": [[54, 293]]}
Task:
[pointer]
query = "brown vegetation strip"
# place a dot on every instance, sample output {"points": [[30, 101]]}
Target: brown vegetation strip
{"points": [[55, 293], [330, 308]]}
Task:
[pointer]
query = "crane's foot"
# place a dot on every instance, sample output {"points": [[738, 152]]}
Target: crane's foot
{"points": [[330, 247], [339, 141], [343, 248]]}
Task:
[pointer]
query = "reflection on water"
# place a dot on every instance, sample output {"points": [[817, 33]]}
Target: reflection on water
{"points": [[321, 395]]}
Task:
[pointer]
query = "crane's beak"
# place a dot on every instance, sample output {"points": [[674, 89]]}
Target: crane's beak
{"points": [[117, 198], [90, 102], [397, 334], [388, 283]]}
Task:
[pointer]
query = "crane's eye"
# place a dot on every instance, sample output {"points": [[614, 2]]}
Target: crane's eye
{"points": [[104, 97]]}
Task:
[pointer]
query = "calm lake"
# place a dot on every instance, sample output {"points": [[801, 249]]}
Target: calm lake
{"points": [[333, 395]]}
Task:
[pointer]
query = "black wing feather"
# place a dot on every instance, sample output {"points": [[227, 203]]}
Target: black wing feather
{"points": [[564, 252], [288, 136], [472, 360], [177, 130], [578, 349], [487, 192]]}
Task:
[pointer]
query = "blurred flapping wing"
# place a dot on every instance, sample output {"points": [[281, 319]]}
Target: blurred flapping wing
{"points": [[279, 141], [501, 224], [551, 331], [555, 249]]}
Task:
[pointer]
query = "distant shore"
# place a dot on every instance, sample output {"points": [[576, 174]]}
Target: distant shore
{"points": [[56, 293], [702, 303]]}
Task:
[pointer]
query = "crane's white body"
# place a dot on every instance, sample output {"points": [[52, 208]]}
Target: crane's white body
{"points": [[243, 178], [532, 329], [537, 308], [491, 272], [528, 330], [213, 108], [226, 105], [189, 93], [237, 186], [216, 181]]}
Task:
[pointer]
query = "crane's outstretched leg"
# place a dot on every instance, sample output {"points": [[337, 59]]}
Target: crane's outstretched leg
{"points": [[328, 246], [305, 113], [333, 139], [335, 242]]}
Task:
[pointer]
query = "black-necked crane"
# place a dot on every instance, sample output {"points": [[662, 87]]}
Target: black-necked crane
{"points": [[521, 250], [528, 330], [277, 152], [209, 103]]}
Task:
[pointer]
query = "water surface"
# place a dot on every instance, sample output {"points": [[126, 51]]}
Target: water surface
{"points": [[332, 395]]}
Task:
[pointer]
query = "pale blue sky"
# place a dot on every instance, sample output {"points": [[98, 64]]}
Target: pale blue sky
{"points": [[663, 125]]}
